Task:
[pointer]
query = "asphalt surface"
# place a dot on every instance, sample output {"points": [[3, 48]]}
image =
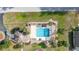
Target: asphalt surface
{"points": [[36, 9], [2, 27]]}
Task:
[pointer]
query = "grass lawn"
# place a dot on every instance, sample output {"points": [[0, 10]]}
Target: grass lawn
{"points": [[19, 19]]}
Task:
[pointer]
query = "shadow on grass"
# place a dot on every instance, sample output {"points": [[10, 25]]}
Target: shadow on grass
{"points": [[46, 13], [71, 47], [53, 13]]}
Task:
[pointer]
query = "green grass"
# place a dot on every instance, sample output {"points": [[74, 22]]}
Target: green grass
{"points": [[20, 17]]}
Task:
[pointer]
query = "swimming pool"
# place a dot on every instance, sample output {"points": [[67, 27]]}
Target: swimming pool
{"points": [[42, 32]]}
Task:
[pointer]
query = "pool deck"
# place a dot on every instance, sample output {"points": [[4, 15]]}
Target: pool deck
{"points": [[33, 27], [33, 33]]}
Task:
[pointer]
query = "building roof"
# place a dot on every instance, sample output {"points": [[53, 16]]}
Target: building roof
{"points": [[76, 38]]}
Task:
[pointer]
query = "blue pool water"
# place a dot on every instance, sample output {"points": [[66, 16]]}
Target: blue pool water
{"points": [[42, 32]]}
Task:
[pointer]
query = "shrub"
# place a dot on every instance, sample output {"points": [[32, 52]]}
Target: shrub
{"points": [[21, 30], [17, 46], [53, 44], [5, 43], [15, 29], [42, 45], [62, 43], [60, 30]]}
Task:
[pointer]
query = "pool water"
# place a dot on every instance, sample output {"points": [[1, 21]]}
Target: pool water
{"points": [[42, 32]]}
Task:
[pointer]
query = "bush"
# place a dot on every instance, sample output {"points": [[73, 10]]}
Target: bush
{"points": [[42, 45], [21, 30], [76, 29], [62, 43], [15, 29], [17, 46], [5, 44], [53, 44], [25, 31], [60, 30]]}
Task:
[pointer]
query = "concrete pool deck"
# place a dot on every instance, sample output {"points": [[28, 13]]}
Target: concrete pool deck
{"points": [[33, 33], [33, 30]]}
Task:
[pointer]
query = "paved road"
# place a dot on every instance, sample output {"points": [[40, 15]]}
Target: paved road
{"points": [[36, 9], [19, 9], [2, 27]]}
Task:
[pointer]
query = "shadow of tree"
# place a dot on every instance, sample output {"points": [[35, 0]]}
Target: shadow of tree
{"points": [[5, 8], [71, 47], [46, 13], [60, 12], [53, 13]]}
